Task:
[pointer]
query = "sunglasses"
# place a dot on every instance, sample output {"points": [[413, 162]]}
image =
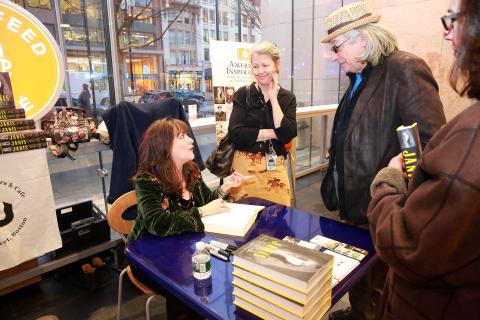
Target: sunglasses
{"points": [[336, 47], [448, 20]]}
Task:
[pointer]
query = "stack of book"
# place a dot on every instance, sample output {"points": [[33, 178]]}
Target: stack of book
{"points": [[16, 132], [274, 279]]}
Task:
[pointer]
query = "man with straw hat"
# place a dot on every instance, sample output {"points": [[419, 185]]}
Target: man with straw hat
{"points": [[388, 88]]}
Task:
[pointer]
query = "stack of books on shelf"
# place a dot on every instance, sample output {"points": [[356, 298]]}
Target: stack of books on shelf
{"points": [[274, 279], [16, 132]]}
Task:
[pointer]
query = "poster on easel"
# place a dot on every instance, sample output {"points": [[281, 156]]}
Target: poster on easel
{"points": [[230, 71], [31, 75], [28, 224]]}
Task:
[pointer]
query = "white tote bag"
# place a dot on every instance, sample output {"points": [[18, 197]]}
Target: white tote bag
{"points": [[28, 224]]}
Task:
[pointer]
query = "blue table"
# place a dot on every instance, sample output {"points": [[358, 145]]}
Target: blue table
{"points": [[168, 260]]}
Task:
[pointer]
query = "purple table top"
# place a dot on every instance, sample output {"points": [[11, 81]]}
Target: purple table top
{"points": [[168, 260]]}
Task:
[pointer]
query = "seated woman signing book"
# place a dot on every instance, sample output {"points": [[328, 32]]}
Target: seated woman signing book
{"points": [[172, 196]]}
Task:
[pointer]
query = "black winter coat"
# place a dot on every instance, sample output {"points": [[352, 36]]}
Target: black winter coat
{"points": [[400, 90]]}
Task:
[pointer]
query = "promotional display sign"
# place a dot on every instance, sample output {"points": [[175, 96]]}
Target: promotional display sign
{"points": [[28, 223], [31, 56], [31, 73], [230, 71]]}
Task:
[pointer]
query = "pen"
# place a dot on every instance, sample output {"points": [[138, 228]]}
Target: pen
{"points": [[222, 245], [219, 253]]}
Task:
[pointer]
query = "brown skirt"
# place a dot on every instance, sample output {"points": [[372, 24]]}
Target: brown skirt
{"points": [[269, 185]]}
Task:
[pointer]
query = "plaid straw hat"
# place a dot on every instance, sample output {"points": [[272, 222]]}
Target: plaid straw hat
{"points": [[348, 18]]}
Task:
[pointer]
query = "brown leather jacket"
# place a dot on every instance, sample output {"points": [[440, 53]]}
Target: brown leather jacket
{"points": [[400, 90], [429, 236]]}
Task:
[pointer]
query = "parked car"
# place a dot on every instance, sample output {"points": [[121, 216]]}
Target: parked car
{"points": [[192, 94], [179, 95], [100, 108]]}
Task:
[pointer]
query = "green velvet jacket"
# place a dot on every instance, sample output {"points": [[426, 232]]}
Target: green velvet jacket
{"points": [[160, 213]]}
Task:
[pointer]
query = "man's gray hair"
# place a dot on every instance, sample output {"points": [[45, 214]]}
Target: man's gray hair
{"points": [[380, 41]]}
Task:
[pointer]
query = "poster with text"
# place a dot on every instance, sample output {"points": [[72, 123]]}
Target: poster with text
{"points": [[28, 223], [230, 71]]}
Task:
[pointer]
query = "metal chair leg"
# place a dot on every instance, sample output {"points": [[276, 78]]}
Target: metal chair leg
{"points": [[120, 289], [147, 306]]}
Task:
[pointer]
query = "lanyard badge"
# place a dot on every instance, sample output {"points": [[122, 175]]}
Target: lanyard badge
{"points": [[271, 157]]}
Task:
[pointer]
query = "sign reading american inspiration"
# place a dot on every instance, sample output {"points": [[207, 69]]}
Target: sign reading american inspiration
{"points": [[31, 56], [230, 71]]}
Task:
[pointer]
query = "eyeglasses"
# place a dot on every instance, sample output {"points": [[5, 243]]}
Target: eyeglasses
{"points": [[448, 21], [336, 47]]}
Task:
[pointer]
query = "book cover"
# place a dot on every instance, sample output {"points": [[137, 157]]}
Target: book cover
{"points": [[26, 147], [22, 135], [6, 92], [11, 113], [266, 310], [302, 243], [339, 247], [342, 266], [288, 264], [409, 139], [235, 222]]}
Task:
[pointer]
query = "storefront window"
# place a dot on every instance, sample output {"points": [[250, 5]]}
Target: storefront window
{"points": [[144, 15], [183, 32], [179, 37], [85, 51], [42, 4], [92, 8], [172, 37]]}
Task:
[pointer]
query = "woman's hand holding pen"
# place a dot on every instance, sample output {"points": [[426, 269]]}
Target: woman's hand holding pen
{"points": [[234, 180]]}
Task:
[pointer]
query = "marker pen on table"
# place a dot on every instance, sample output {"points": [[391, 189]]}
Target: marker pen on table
{"points": [[219, 253], [222, 245]]}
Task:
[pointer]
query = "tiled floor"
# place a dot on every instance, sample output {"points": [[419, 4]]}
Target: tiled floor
{"points": [[63, 293]]}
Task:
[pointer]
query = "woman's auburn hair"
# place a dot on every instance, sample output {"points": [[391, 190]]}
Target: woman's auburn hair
{"points": [[465, 72], [156, 156]]}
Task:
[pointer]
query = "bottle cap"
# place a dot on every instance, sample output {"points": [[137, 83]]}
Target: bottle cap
{"points": [[200, 245]]}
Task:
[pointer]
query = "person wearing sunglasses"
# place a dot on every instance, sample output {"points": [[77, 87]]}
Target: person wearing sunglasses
{"points": [[428, 232], [388, 88]]}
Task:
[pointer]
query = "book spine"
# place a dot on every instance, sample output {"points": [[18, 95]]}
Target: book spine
{"points": [[22, 135], [21, 142], [16, 122], [16, 125], [411, 147], [6, 114], [40, 145]]}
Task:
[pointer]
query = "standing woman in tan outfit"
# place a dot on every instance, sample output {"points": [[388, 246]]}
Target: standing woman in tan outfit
{"points": [[263, 120]]}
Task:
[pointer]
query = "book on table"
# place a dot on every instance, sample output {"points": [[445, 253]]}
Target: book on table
{"points": [[345, 257], [264, 297], [339, 247], [290, 265], [280, 289], [235, 222], [265, 310]]}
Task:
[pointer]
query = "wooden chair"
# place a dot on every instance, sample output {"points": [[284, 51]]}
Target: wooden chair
{"points": [[291, 171], [121, 224]]}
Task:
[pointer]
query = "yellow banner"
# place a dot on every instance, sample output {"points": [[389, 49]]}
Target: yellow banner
{"points": [[32, 57]]}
